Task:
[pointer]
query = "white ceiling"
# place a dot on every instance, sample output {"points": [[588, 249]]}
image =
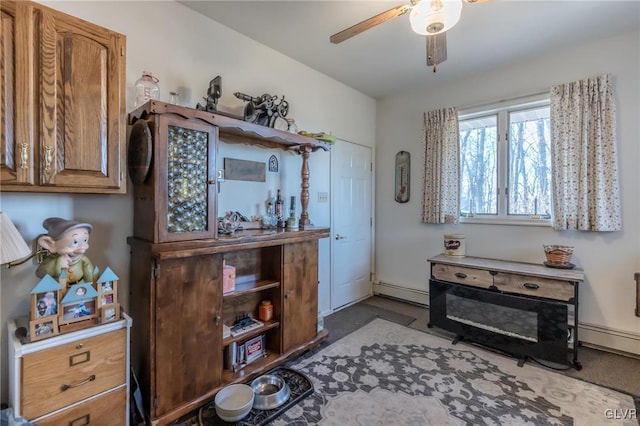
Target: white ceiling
{"points": [[390, 58]]}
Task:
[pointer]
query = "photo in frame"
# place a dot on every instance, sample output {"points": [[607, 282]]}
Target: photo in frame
{"points": [[43, 327], [79, 311], [45, 304], [110, 313], [45, 298]]}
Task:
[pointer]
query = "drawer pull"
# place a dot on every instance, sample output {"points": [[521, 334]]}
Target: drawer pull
{"points": [[81, 421], [531, 286], [79, 346], [65, 387], [460, 275]]}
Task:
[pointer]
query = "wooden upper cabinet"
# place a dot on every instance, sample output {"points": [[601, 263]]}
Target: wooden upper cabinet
{"points": [[72, 103], [17, 85]]}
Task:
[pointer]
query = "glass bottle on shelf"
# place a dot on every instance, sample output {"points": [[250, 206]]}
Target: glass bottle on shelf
{"points": [[146, 88], [280, 209], [174, 98]]}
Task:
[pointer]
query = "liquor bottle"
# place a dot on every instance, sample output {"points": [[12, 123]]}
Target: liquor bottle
{"points": [[279, 206]]}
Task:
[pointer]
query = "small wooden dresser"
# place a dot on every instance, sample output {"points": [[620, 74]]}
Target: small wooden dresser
{"points": [[76, 378]]}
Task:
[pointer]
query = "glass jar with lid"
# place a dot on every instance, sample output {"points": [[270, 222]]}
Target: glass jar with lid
{"points": [[146, 88]]}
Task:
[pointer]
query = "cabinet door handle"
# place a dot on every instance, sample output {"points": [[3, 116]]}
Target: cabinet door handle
{"points": [[460, 275], [48, 157], [65, 387], [217, 319], [24, 155], [531, 286], [340, 237], [286, 295]]}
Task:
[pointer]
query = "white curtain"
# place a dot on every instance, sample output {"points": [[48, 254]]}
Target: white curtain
{"points": [[440, 195], [583, 154]]}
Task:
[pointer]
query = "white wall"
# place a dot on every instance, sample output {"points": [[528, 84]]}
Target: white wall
{"points": [[609, 259], [185, 51]]}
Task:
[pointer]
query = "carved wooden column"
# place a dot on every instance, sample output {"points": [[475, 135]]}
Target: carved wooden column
{"points": [[304, 194]]}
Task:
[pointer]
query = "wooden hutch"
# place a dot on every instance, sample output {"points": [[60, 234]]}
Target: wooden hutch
{"points": [[177, 300]]}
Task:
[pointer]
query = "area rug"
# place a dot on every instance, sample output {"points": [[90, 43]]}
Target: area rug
{"points": [[388, 374]]}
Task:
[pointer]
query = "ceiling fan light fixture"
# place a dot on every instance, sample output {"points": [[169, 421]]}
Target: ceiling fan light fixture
{"points": [[430, 17]]}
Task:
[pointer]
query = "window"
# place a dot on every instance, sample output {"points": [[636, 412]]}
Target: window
{"points": [[505, 164]]}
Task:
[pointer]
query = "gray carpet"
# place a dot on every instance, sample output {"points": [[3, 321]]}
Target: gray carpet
{"points": [[352, 318], [615, 371], [388, 374]]}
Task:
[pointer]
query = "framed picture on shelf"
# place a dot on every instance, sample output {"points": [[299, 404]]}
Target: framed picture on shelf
{"points": [[107, 299], [81, 310], [45, 304], [43, 327], [45, 298], [110, 313]]}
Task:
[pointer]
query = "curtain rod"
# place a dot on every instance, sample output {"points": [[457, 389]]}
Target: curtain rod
{"points": [[485, 104]]}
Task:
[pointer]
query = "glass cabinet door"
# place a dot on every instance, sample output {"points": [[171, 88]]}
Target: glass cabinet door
{"points": [[187, 198]]}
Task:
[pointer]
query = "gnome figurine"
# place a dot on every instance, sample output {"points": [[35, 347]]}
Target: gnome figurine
{"points": [[67, 241]]}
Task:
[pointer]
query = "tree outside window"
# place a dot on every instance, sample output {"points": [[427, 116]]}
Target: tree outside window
{"points": [[505, 163]]}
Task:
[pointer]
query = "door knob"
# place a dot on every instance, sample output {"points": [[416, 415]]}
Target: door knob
{"points": [[340, 237]]}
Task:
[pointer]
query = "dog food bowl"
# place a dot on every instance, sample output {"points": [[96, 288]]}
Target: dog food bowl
{"points": [[234, 402], [270, 391]]}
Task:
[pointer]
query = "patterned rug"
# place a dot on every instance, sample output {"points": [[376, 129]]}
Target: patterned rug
{"points": [[388, 374]]}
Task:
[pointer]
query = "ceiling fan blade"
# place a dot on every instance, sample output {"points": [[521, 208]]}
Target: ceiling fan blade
{"points": [[369, 23]]}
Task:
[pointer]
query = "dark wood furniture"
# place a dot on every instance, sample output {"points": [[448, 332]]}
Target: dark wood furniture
{"points": [[63, 116], [524, 309], [177, 258]]}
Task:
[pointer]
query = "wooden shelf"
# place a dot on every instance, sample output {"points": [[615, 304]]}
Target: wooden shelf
{"points": [[251, 287], [229, 376], [268, 325], [233, 130]]}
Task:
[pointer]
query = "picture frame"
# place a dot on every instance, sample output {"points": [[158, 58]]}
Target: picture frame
{"points": [[43, 327], [79, 311], [45, 304], [107, 299], [110, 313]]}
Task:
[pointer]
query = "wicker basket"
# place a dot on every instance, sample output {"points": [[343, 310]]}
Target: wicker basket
{"points": [[560, 255]]}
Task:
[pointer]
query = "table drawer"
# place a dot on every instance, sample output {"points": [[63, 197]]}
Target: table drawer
{"points": [[106, 410], [56, 377], [462, 275], [534, 286]]}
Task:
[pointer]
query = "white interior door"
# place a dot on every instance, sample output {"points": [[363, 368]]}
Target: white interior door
{"points": [[351, 172]]}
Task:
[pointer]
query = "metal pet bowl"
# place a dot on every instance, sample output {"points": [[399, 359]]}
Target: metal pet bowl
{"points": [[270, 391]]}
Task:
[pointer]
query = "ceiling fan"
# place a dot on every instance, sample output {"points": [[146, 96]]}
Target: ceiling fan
{"points": [[431, 18]]}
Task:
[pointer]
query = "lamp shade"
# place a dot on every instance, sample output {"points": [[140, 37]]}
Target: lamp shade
{"points": [[431, 17], [12, 245]]}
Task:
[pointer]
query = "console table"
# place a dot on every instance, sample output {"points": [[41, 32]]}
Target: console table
{"points": [[523, 309]]}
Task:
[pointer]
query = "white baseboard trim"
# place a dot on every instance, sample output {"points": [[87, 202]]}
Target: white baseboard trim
{"points": [[609, 339], [409, 294], [603, 338]]}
